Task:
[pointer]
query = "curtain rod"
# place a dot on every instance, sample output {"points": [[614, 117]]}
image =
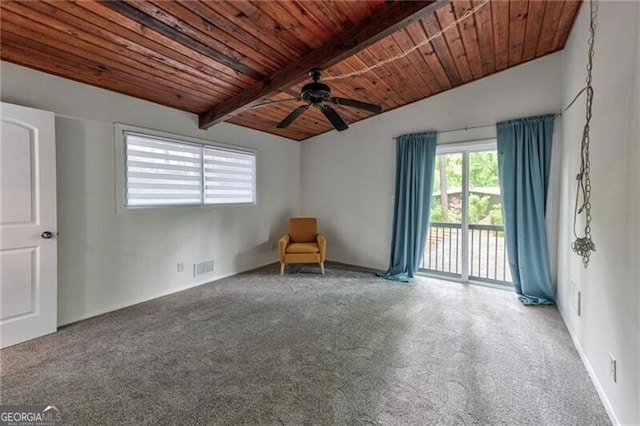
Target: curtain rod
{"points": [[467, 128], [559, 114]]}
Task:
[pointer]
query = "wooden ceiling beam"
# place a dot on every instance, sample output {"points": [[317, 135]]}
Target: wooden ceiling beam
{"points": [[383, 22], [149, 21]]}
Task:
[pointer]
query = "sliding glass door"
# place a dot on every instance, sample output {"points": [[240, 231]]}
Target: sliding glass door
{"points": [[466, 237]]}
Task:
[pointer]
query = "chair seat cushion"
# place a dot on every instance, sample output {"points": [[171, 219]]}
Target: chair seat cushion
{"points": [[302, 248]]}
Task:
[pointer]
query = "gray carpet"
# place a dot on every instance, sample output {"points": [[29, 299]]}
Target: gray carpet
{"points": [[344, 348]]}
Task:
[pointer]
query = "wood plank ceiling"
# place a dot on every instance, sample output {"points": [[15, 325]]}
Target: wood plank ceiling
{"points": [[197, 55]]}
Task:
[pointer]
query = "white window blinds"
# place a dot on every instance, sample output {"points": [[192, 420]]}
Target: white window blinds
{"points": [[165, 172], [229, 176]]}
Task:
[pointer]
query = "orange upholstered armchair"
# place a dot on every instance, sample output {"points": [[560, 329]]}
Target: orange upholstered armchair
{"points": [[302, 244]]}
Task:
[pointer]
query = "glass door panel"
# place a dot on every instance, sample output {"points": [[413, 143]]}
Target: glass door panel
{"points": [[443, 249], [466, 236], [487, 246]]}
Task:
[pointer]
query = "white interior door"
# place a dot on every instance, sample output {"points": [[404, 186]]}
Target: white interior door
{"points": [[28, 248]]}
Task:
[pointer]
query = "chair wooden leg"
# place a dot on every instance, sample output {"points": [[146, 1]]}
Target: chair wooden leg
{"points": [[322, 267], [282, 265]]}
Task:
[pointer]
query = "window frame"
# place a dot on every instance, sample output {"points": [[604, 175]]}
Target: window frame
{"points": [[120, 132]]}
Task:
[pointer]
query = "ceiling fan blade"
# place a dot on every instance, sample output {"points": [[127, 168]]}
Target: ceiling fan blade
{"points": [[291, 117], [376, 109], [334, 118]]}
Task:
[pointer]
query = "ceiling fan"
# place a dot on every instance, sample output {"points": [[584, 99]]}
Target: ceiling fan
{"points": [[318, 95]]}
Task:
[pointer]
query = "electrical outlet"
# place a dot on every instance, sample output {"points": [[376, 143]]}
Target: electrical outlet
{"points": [[180, 267], [576, 298], [613, 368]]}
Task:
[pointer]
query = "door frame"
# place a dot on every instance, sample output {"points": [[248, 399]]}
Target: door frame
{"points": [[465, 148]]}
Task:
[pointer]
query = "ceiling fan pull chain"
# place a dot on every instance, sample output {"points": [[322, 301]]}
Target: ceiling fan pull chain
{"points": [[583, 246]]}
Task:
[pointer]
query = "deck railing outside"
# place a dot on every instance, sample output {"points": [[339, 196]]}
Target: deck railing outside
{"points": [[487, 252]]}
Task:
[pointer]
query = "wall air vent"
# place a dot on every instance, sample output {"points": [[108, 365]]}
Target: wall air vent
{"points": [[203, 268]]}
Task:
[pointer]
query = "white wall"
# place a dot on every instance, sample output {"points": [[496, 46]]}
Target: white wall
{"points": [[109, 260], [347, 178], [609, 323]]}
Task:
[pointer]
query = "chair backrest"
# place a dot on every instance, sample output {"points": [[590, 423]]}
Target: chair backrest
{"points": [[303, 229]]}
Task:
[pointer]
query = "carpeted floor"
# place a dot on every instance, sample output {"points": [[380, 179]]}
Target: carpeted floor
{"points": [[345, 348]]}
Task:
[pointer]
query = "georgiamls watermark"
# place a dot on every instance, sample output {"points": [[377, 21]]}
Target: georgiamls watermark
{"points": [[30, 415]]}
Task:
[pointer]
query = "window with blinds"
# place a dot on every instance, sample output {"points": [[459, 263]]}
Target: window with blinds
{"points": [[229, 176], [166, 172]]}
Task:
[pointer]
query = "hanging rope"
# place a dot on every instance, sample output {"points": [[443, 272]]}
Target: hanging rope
{"points": [[382, 63], [583, 246]]}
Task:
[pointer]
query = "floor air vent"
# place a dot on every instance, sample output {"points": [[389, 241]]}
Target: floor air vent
{"points": [[202, 268]]}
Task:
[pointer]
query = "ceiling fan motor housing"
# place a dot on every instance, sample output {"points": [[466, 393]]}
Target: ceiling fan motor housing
{"points": [[315, 93]]}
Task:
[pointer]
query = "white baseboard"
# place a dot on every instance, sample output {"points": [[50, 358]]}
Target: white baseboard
{"points": [[372, 268], [592, 374], [115, 307]]}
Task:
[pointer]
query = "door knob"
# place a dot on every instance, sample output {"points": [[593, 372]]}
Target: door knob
{"points": [[47, 235]]}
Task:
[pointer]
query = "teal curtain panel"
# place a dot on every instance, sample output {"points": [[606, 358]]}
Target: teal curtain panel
{"points": [[524, 158], [415, 160]]}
